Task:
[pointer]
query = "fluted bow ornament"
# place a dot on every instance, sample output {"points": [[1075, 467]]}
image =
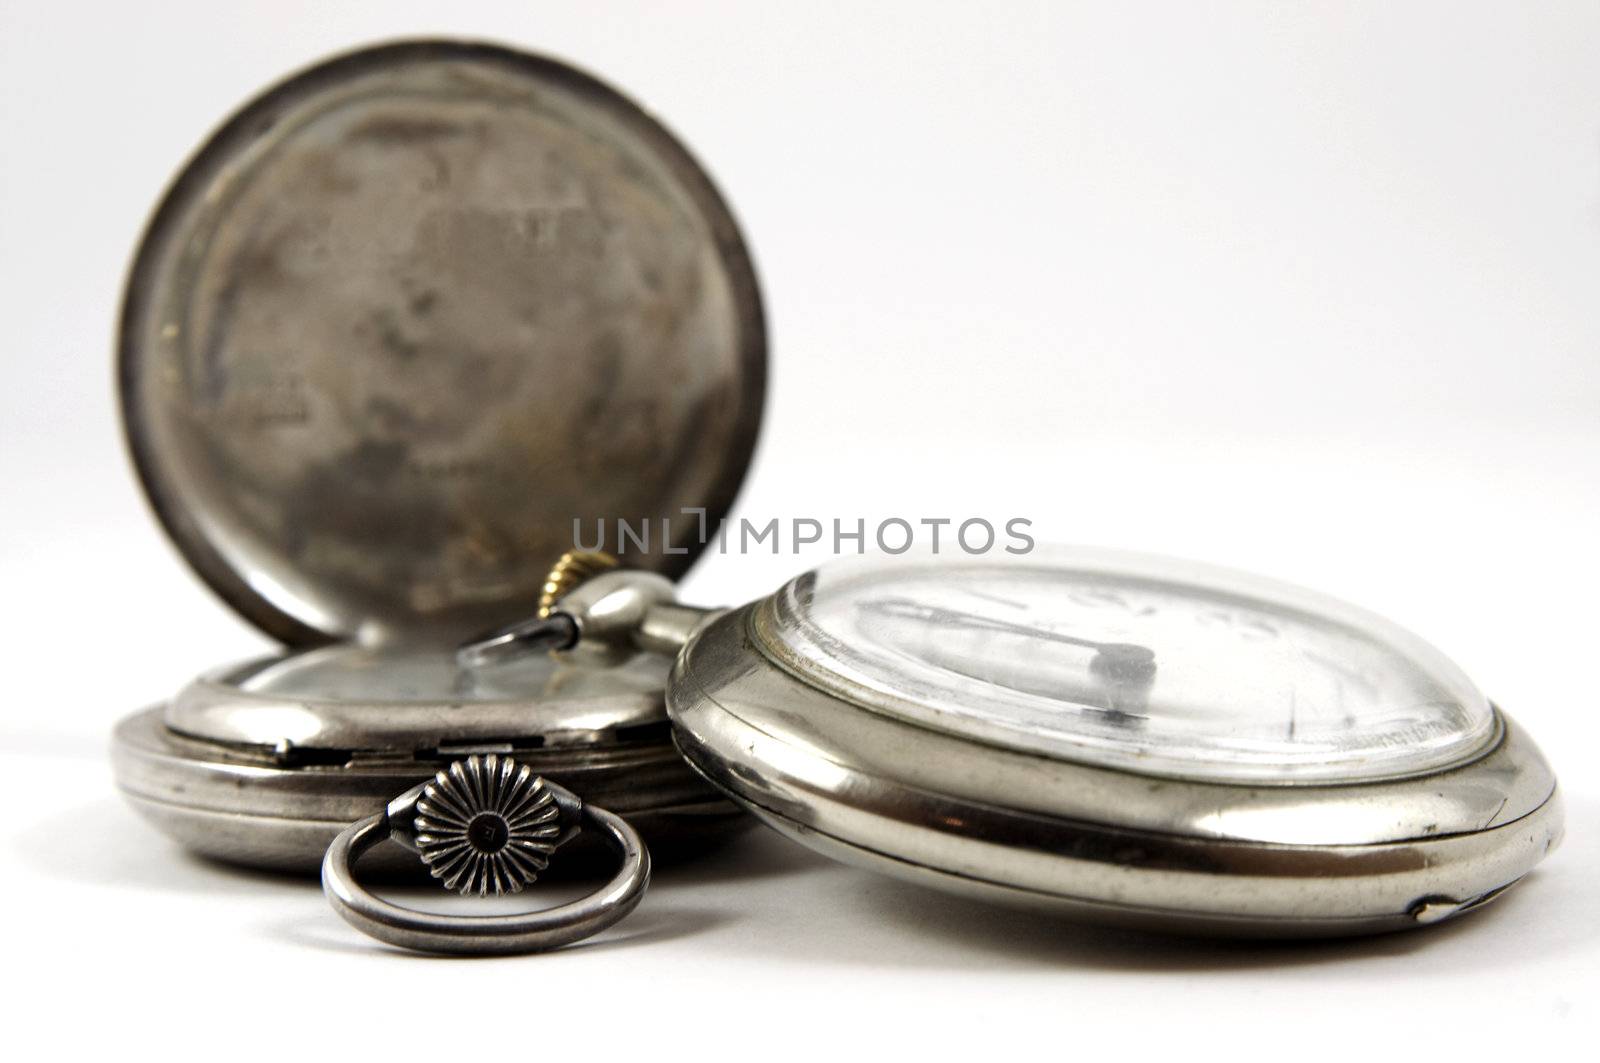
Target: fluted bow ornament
{"points": [[487, 824]]}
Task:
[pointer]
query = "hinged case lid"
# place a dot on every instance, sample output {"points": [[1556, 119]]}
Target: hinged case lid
{"points": [[410, 315]]}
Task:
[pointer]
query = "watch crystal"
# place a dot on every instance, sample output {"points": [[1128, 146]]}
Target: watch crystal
{"points": [[1131, 662]]}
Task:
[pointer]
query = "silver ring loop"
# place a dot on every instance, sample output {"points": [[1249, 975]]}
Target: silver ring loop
{"points": [[536, 931]]}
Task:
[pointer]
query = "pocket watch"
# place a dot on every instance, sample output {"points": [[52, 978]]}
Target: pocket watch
{"points": [[1127, 739], [401, 321]]}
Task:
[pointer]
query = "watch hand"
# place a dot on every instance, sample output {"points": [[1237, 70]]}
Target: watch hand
{"points": [[1121, 662], [558, 631]]}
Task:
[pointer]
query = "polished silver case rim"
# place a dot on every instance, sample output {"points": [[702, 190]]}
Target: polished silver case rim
{"points": [[249, 805], [269, 777], [1108, 845]]}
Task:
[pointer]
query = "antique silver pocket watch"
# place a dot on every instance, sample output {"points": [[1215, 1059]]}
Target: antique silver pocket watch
{"points": [[401, 321], [1128, 739], [409, 315]]}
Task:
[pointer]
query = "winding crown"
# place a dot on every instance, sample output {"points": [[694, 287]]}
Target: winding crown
{"points": [[573, 568]]}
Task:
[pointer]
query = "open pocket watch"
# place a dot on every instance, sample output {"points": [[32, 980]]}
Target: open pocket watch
{"points": [[398, 324], [1126, 739]]}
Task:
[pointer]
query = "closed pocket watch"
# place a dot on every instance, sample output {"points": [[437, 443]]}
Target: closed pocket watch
{"points": [[399, 323]]}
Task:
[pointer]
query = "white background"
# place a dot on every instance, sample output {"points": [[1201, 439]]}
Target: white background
{"points": [[1308, 289]]}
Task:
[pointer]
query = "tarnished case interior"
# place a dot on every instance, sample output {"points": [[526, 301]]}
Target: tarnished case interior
{"points": [[408, 316]]}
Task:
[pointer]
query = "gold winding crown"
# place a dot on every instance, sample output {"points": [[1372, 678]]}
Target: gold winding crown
{"points": [[574, 567]]}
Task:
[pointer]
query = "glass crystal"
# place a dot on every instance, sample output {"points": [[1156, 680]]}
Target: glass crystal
{"points": [[1125, 661], [431, 675]]}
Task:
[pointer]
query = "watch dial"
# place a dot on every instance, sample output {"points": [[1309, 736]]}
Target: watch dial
{"points": [[1139, 663]]}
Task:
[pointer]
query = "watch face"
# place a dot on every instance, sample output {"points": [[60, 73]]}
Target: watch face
{"points": [[1124, 661]]}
